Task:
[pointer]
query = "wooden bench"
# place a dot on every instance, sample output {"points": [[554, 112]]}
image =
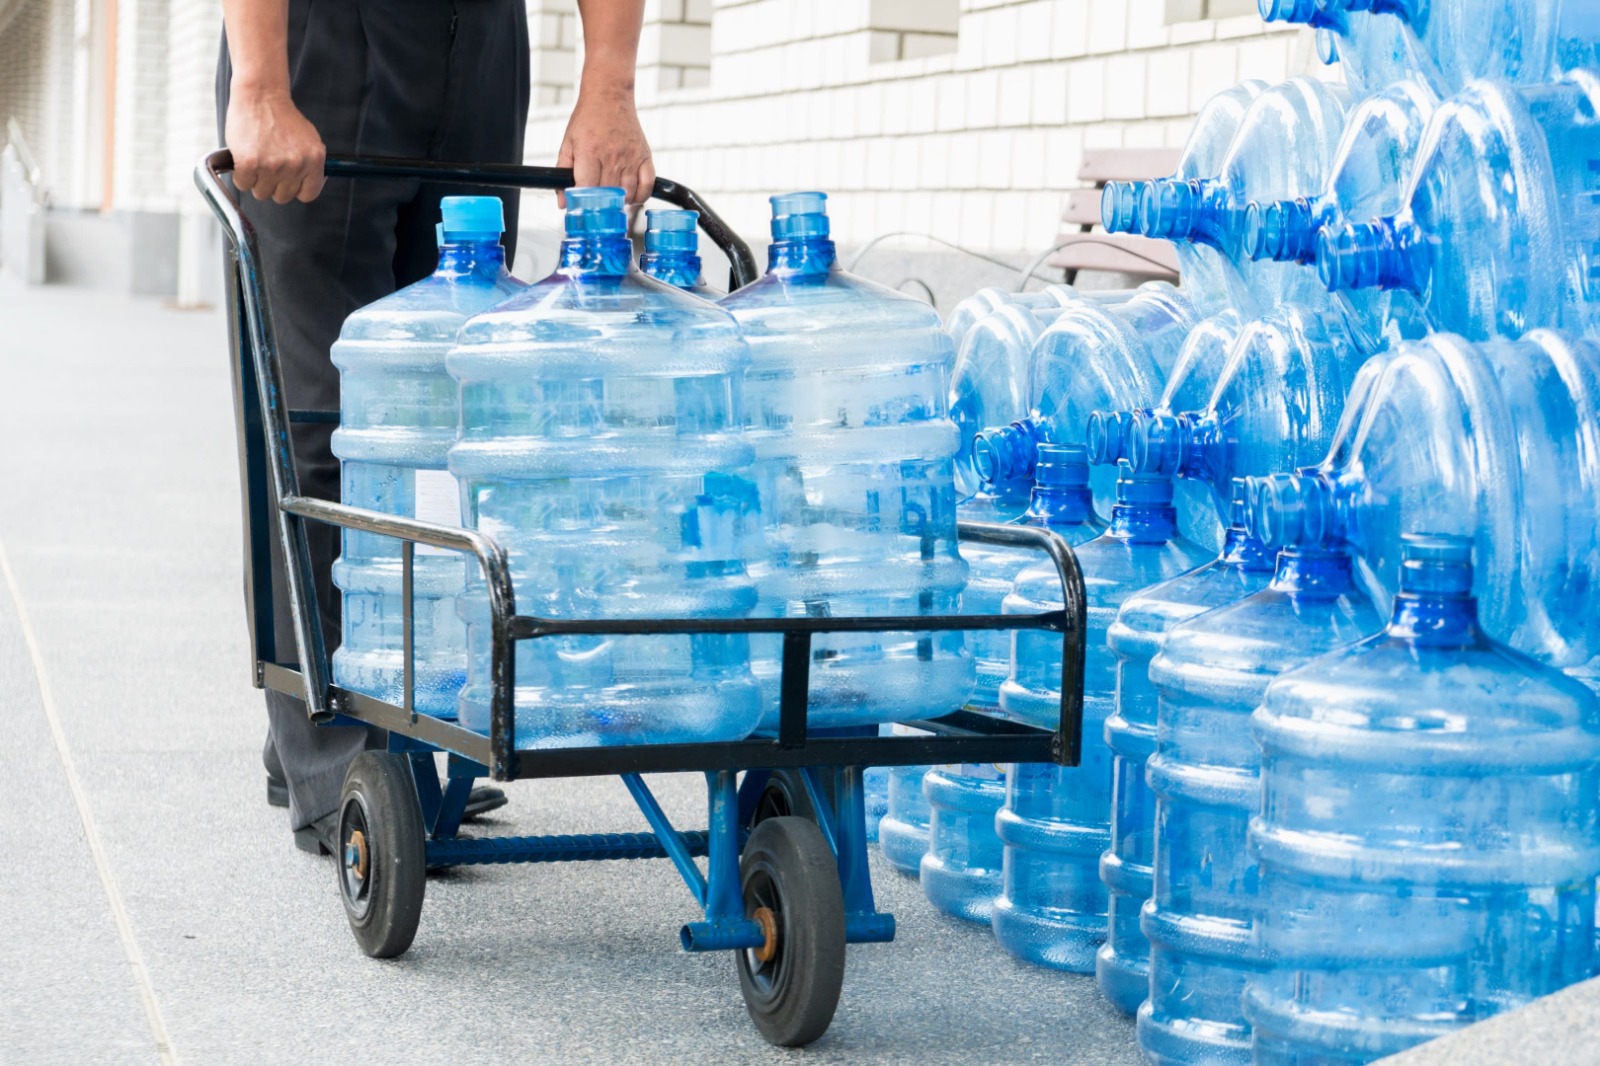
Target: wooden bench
{"points": [[1085, 246]]}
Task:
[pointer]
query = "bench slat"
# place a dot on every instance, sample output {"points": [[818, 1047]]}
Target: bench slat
{"points": [[1116, 252], [1126, 164]]}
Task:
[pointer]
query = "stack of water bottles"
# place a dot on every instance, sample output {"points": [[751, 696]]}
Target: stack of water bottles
{"points": [[1341, 770]]}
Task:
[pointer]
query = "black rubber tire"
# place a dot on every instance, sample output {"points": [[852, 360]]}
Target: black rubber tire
{"points": [[788, 868], [784, 797], [385, 904]]}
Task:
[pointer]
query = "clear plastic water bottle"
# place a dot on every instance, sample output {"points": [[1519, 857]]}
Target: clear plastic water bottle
{"points": [[1496, 441], [1373, 50], [1210, 675], [397, 420], [1284, 149], [1213, 131], [1368, 181], [1092, 358], [1276, 404], [875, 793], [1497, 235], [903, 831], [970, 311], [989, 385], [848, 409], [961, 871], [1428, 835], [601, 446], [1056, 821], [1200, 365], [1127, 867], [1454, 42], [672, 251]]}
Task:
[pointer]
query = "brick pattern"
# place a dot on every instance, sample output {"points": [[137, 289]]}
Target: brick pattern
{"points": [[141, 134], [975, 144], [36, 87]]}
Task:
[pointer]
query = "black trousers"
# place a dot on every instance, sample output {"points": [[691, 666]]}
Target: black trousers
{"points": [[428, 79]]}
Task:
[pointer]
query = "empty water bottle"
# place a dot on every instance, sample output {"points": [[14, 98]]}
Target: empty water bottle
{"points": [[672, 251], [1284, 149], [989, 386], [1092, 358], [1056, 820], [1367, 181], [903, 830], [1244, 567], [848, 411], [1428, 835], [397, 420], [1453, 42], [1496, 441], [1213, 131], [1201, 363], [1210, 675], [970, 311], [961, 871], [1498, 232], [600, 445], [1275, 405]]}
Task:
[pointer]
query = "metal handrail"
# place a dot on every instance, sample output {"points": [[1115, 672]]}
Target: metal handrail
{"points": [[32, 172]]}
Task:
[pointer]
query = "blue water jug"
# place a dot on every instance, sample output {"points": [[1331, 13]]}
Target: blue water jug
{"points": [[1213, 131], [672, 251], [1499, 441], [989, 385], [1199, 366], [903, 830], [1209, 676], [1454, 42], [1275, 405], [1244, 566], [601, 447], [848, 410], [1428, 835], [397, 420], [1368, 181], [961, 871], [1498, 232], [1284, 149], [1092, 358], [1056, 821], [875, 795]]}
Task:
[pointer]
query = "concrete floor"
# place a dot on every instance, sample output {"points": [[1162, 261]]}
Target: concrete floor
{"points": [[152, 905], [154, 910]]}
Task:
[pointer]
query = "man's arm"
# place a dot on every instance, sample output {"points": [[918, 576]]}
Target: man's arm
{"points": [[604, 144], [277, 153]]}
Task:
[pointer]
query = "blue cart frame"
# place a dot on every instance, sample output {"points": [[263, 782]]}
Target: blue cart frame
{"points": [[403, 812]]}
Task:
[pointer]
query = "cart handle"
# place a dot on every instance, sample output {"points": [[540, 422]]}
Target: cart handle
{"points": [[740, 260]]}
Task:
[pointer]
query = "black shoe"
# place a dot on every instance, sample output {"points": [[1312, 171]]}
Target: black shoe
{"points": [[317, 838], [480, 801]]}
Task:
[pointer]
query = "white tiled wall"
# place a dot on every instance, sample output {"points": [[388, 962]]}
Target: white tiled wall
{"points": [[974, 142]]}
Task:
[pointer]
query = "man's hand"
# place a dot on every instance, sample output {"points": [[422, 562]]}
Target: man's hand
{"points": [[277, 153], [605, 145]]}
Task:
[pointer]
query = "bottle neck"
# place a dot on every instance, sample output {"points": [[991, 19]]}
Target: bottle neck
{"points": [[1184, 445], [602, 255], [1241, 551], [1285, 231], [1110, 436], [1055, 505], [802, 256], [1435, 621], [1314, 573], [679, 269], [1309, 508], [483, 257], [1119, 206], [1005, 456], [1388, 253], [1141, 523], [1196, 210]]}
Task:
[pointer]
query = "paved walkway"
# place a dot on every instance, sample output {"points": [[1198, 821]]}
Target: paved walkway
{"points": [[152, 906]]}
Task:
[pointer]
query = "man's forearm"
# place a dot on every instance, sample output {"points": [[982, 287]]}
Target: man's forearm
{"points": [[610, 44], [258, 45]]}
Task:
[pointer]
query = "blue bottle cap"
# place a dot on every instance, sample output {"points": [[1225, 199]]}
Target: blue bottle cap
{"points": [[1144, 490], [799, 214], [1435, 564], [471, 214], [596, 211], [671, 230], [1062, 466]]}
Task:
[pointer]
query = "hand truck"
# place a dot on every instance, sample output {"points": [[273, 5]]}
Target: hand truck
{"points": [[786, 885]]}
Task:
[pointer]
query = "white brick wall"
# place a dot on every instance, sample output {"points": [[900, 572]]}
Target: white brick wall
{"points": [[974, 142]]}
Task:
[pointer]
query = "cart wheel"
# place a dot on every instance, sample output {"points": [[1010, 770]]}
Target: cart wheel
{"points": [[382, 856], [791, 983], [785, 796]]}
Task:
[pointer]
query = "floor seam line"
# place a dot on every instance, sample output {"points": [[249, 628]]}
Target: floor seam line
{"points": [[119, 915]]}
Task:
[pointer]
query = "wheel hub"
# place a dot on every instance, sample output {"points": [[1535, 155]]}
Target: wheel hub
{"points": [[768, 922], [355, 854]]}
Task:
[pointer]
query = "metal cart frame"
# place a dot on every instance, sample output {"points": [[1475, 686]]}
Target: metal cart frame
{"points": [[399, 817]]}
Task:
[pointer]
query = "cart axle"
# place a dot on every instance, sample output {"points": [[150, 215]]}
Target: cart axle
{"points": [[589, 847]]}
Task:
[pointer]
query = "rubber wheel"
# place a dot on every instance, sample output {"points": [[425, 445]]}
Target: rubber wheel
{"points": [[382, 853], [785, 796], [788, 872]]}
